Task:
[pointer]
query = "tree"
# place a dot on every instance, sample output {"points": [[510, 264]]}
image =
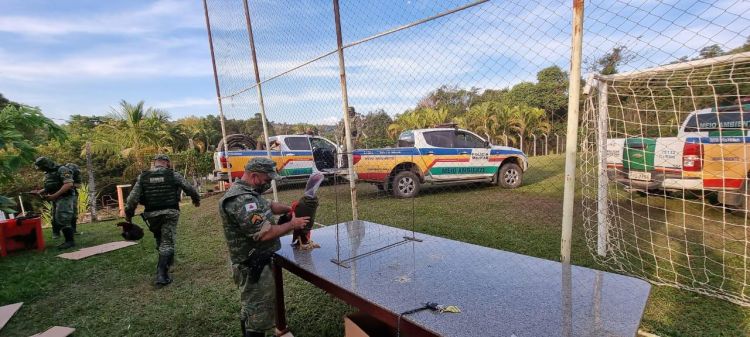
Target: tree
{"points": [[454, 100], [552, 92], [713, 50], [527, 120], [609, 63], [17, 149], [131, 133]]}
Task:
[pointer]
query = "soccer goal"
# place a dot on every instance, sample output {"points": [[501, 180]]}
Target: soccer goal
{"points": [[664, 163]]}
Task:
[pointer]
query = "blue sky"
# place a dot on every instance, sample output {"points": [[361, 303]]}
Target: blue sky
{"points": [[84, 56]]}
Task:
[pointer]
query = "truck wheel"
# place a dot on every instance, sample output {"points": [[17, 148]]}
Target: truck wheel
{"points": [[405, 185], [510, 175]]}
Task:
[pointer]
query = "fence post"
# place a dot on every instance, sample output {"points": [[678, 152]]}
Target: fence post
{"points": [[218, 91], [261, 105], [603, 190], [546, 142], [520, 138], [557, 143], [533, 137], [574, 93], [345, 102]]}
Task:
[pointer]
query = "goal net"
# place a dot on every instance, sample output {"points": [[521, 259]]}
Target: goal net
{"points": [[664, 162]]}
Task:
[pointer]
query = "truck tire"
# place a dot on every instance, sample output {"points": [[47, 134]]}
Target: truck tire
{"points": [[509, 175], [405, 185]]}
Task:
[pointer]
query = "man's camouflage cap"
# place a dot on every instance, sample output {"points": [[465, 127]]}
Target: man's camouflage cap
{"points": [[262, 165], [162, 157], [44, 162]]}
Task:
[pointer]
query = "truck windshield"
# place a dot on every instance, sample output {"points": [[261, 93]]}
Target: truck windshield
{"points": [[718, 121]]}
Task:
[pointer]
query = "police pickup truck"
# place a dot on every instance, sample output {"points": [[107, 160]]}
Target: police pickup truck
{"points": [[296, 157], [709, 153], [439, 156]]}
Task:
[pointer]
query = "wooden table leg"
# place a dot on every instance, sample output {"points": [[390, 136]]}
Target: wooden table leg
{"points": [[280, 309]]}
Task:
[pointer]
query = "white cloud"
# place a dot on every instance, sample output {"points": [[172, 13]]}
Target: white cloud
{"points": [[163, 15], [186, 103], [114, 65]]}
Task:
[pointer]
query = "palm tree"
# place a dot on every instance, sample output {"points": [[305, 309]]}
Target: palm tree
{"points": [[131, 133], [527, 120]]}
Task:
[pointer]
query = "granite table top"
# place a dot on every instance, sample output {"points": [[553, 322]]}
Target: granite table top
{"points": [[499, 293]]}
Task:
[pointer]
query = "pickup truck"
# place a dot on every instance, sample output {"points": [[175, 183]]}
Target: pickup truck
{"points": [[439, 156], [296, 157], [709, 153]]}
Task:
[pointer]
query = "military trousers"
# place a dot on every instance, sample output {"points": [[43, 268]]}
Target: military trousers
{"points": [[64, 211], [257, 300], [164, 228]]}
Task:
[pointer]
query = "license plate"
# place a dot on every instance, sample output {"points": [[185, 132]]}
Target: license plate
{"points": [[639, 175]]}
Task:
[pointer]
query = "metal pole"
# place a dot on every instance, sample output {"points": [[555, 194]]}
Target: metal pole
{"points": [[546, 142], [557, 143], [92, 183], [259, 90], [533, 136], [603, 191], [345, 103], [574, 91], [218, 91]]}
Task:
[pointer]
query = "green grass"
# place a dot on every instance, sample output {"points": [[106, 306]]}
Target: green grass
{"points": [[112, 294]]}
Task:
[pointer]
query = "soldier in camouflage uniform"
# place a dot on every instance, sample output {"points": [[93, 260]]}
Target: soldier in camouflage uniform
{"points": [[253, 236], [158, 189], [59, 188]]}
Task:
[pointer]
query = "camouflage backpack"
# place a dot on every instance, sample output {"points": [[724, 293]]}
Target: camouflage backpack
{"points": [[76, 173]]}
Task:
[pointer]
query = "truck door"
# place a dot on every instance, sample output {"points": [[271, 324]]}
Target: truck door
{"points": [[478, 153], [324, 153], [297, 159], [449, 156]]}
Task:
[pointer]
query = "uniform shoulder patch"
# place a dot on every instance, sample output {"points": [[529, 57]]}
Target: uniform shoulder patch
{"points": [[257, 219], [251, 207]]}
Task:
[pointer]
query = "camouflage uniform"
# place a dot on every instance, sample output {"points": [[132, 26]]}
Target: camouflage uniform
{"points": [[64, 209], [161, 222], [246, 216]]}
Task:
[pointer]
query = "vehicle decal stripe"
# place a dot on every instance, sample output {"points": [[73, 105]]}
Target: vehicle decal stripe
{"points": [[717, 140], [723, 183], [445, 160], [296, 171], [443, 170]]}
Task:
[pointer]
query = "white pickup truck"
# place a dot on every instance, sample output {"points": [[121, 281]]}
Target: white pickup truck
{"points": [[663, 163], [443, 155]]}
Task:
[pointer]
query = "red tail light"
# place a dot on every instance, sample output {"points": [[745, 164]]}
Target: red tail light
{"points": [[356, 158], [223, 161], [692, 157]]}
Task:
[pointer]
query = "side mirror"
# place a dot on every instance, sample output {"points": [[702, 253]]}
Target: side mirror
{"points": [[487, 143]]}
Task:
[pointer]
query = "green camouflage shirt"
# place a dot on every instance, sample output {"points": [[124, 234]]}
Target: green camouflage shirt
{"points": [[135, 194], [246, 216]]}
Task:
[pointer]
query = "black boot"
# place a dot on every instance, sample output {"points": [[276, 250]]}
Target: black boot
{"points": [[69, 243], [162, 270]]}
